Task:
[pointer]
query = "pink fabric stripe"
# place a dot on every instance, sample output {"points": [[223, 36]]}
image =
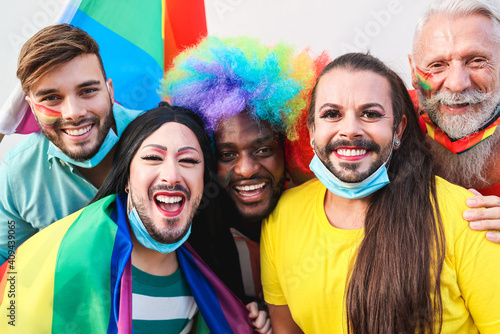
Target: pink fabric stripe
{"points": [[234, 310], [28, 123], [125, 317]]}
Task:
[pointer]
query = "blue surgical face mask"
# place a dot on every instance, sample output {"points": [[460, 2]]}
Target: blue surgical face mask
{"points": [[107, 145], [142, 235], [351, 190]]}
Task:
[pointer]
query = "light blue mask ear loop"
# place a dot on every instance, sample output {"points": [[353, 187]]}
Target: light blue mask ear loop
{"points": [[351, 190], [142, 235]]}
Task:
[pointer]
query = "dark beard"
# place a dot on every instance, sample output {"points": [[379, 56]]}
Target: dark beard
{"points": [[166, 236], [82, 155], [277, 191], [323, 154]]}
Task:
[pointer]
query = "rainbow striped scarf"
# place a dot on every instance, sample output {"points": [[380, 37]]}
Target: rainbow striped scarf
{"points": [[461, 145], [75, 276]]}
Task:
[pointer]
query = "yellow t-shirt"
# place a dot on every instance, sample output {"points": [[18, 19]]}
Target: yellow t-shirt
{"points": [[305, 261]]}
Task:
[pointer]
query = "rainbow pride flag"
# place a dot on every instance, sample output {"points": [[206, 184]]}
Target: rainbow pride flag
{"points": [[137, 40], [75, 276]]}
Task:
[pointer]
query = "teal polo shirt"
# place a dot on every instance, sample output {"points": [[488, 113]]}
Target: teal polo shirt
{"points": [[37, 189]]}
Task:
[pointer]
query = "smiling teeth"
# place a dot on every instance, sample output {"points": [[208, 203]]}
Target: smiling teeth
{"points": [[250, 188], [351, 153], [78, 132], [458, 105], [169, 199]]}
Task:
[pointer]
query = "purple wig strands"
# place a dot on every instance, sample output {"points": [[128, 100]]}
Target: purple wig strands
{"points": [[220, 78]]}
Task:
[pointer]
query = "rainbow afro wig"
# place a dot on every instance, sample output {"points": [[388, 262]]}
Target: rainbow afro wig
{"points": [[219, 78]]}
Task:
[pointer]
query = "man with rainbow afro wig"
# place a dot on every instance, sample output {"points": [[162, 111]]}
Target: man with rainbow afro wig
{"points": [[250, 96]]}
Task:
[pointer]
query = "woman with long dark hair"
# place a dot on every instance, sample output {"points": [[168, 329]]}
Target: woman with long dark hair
{"points": [[377, 244]]}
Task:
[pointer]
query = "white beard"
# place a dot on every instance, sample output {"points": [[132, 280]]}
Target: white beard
{"points": [[469, 169], [460, 126]]}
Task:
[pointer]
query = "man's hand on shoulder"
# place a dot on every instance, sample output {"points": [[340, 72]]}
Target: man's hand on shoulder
{"points": [[484, 215]]}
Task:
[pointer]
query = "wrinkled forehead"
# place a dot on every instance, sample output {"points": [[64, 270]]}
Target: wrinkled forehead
{"points": [[443, 35]]}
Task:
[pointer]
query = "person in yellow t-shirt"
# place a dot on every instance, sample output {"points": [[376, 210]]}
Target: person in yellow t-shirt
{"points": [[377, 244]]}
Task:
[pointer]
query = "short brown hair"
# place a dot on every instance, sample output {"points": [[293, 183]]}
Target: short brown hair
{"points": [[51, 47]]}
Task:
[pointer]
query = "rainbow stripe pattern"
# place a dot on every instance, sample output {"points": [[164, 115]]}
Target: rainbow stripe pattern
{"points": [[75, 276], [137, 41], [46, 116], [462, 145], [424, 79]]}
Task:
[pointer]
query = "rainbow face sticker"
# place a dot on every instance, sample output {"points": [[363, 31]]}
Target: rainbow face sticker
{"points": [[46, 116], [424, 78]]}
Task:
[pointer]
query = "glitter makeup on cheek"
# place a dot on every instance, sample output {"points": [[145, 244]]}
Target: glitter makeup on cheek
{"points": [[46, 116], [424, 80]]}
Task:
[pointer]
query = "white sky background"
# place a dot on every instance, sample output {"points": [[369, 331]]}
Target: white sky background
{"points": [[384, 27]]}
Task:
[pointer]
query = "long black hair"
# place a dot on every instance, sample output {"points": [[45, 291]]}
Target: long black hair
{"points": [[141, 128], [394, 284]]}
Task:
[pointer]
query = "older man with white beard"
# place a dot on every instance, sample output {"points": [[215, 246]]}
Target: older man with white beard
{"points": [[456, 72]]}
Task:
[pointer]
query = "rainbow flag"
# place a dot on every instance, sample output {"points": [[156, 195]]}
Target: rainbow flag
{"points": [[75, 275], [137, 40]]}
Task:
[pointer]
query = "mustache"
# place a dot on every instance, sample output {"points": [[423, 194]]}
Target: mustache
{"points": [[469, 96], [163, 187], [60, 123], [361, 143]]}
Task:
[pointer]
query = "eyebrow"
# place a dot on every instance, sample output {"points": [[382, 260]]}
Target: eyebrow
{"points": [[363, 106], [160, 147], [186, 148], [88, 83], [44, 92], [163, 148], [444, 56], [370, 105], [331, 105]]}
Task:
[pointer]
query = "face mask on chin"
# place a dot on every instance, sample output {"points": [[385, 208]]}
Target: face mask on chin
{"points": [[351, 190], [108, 143], [145, 239]]}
